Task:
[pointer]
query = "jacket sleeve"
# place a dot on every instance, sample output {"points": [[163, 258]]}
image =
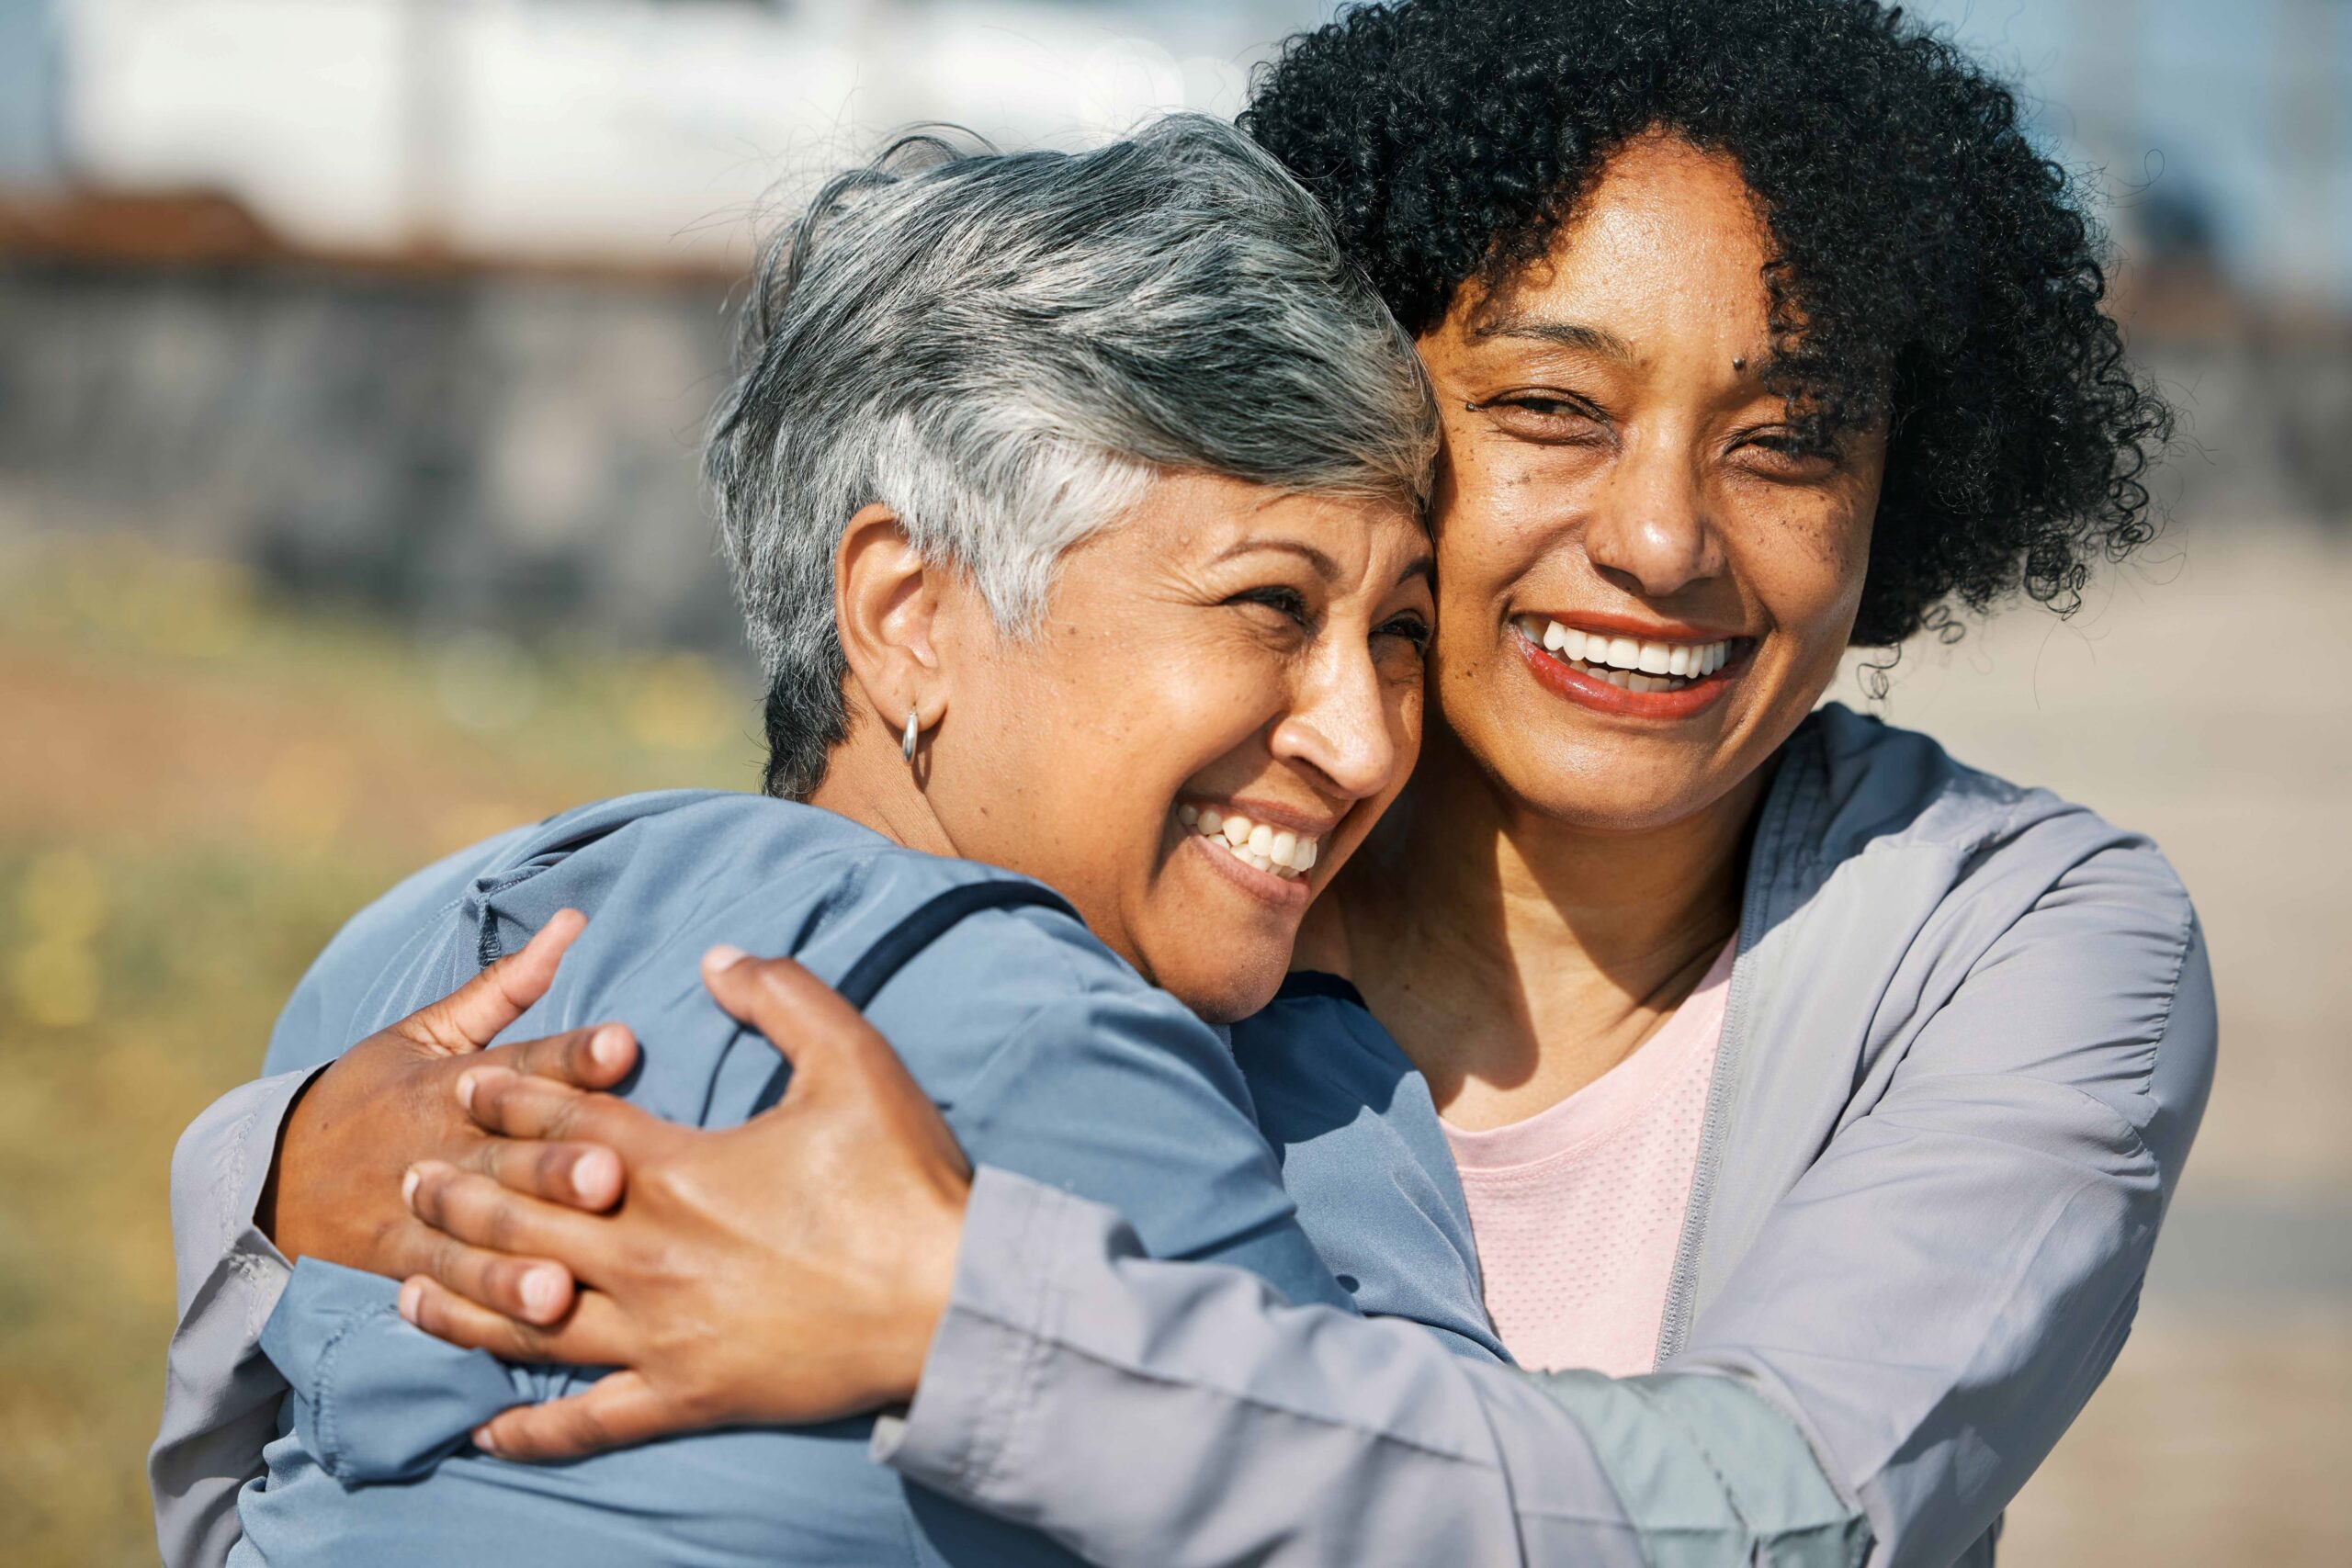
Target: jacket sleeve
{"points": [[1922, 1315], [1143, 1412], [220, 1394]]}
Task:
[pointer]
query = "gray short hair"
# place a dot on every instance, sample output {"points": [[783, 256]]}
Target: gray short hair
{"points": [[1005, 348]]}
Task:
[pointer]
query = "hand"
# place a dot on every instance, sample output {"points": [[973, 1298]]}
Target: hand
{"points": [[391, 1101], [788, 1270]]}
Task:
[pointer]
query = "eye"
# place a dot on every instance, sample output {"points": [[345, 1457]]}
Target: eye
{"points": [[1287, 601], [1411, 628], [1783, 453], [1545, 414]]}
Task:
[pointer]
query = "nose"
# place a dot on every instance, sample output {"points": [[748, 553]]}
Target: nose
{"points": [[1649, 531], [1339, 723]]}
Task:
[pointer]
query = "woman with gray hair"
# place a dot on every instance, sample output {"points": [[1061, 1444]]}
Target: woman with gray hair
{"points": [[1074, 505]]}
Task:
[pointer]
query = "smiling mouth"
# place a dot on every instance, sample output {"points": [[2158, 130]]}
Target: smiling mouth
{"points": [[1632, 664], [1261, 845]]}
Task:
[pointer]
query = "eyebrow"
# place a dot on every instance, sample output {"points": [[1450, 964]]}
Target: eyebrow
{"points": [[1325, 567], [1423, 565], [1566, 334]]}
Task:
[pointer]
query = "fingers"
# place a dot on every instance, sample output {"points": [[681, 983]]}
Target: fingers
{"points": [[595, 1335], [595, 1057], [501, 1101], [832, 1047], [471, 1208], [620, 1409], [470, 1016], [802, 1017], [532, 1290], [585, 1176]]}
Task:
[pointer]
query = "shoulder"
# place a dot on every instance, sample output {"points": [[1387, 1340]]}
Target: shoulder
{"points": [[320, 1016], [955, 960], [2058, 943], [681, 871], [1854, 786], [1026, 991]]}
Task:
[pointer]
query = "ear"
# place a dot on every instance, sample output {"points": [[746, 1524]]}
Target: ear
{"points": [[887, 603]]}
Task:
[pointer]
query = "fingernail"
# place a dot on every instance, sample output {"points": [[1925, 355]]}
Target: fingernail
{"points": [[408, 1187], [411, 1294], [542, 1291], [607, 1046], [594, 1177], [485, 1442], [723, 956], [466, 1091]]}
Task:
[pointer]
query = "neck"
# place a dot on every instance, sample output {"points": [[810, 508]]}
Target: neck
{"points": [[868, 780], [1517, 958]]}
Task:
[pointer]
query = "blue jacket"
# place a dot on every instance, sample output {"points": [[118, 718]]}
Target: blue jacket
{"points": [[1047, 1054]]}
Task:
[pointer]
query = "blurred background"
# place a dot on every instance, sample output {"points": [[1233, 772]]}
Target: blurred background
{"points": [[352, 358]]}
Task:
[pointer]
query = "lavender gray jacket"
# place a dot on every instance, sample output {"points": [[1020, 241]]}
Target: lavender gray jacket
{"points": [[1970, 1036]]}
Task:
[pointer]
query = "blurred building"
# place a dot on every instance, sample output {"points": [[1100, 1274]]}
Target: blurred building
{"points": [[422, 302]]}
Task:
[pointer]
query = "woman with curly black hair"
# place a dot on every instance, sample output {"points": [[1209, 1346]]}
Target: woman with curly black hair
{"points": [[1815, 1098]]}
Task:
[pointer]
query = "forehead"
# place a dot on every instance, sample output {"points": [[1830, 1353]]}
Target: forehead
{"points": [[1195, 518], [1669, 245]]}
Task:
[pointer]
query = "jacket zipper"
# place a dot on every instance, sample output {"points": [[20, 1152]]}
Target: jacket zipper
{"points": [[1763, 869]]}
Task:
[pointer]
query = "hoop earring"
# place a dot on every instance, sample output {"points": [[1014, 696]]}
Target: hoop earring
{"points": [[914, 733]]}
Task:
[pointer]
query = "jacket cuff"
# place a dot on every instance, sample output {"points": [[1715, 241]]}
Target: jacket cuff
{"points": [[977, 1378], [222, 1165]]}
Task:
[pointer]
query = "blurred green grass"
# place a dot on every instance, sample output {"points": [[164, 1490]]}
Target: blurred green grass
{"points": [[197, 785]]}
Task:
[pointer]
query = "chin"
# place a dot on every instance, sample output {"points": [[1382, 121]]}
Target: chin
{"points": [[1227, 996], [1590, 800]]}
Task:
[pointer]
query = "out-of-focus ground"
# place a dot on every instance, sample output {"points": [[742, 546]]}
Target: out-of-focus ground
{"points": [[196, 789], [196, 785], [2191, 699]]}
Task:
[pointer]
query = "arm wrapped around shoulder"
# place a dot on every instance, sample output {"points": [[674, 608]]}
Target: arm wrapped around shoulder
{"points": [[1920, 1317]]}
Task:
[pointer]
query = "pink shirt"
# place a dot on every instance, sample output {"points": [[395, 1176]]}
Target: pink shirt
{"points": [[1579, 1209]]}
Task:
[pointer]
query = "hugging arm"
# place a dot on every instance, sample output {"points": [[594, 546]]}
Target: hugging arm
{"points": [[1917, 1321], [1929, 1306], [236, 1225]]}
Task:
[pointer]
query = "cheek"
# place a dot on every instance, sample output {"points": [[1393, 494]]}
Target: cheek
{"points": [[1806, 565], [1107, 737]]}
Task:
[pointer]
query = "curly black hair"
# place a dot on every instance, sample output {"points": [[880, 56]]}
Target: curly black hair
{"points": [[1931, 266]]}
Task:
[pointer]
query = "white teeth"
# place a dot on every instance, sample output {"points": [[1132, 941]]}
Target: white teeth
{"points": [[1280, 851], [1661, 666]]}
